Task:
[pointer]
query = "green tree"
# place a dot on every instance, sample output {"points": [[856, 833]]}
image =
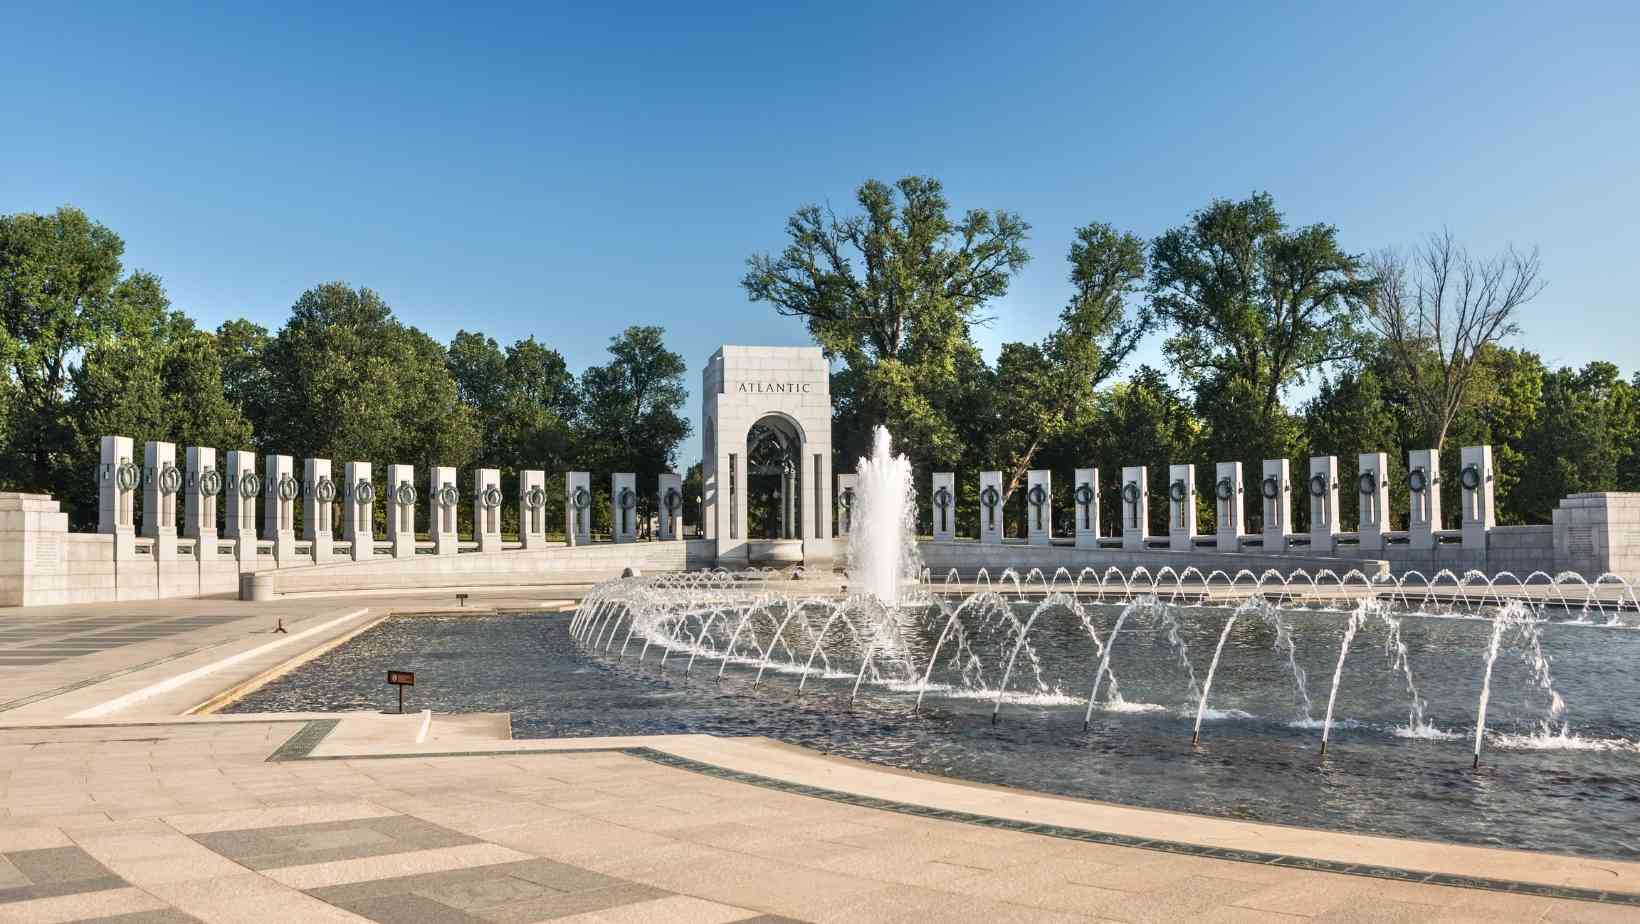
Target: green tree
{"points": [[893, 292], [241, 344], [1254, 308], [1142, 421], [60, 276], [1046, 390], [1581, 440], [630, 420], [1505, 398], [159, 381], [346, 380], [524, 401], [1353, 413]]}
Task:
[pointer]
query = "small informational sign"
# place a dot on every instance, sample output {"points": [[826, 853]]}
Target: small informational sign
{"points": [[401, 679]]}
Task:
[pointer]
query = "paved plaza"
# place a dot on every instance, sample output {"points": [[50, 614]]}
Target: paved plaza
{"points": [[117, 807]]}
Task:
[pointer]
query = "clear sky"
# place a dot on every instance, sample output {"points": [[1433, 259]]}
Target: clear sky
{"points": [[565, 172]]}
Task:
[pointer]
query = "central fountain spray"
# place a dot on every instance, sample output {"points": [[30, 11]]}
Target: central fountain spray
{"points": [[882, 543]]}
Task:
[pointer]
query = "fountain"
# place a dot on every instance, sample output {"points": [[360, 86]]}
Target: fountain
{"points": [[882, 545], [1216, 659], [896, 630]]}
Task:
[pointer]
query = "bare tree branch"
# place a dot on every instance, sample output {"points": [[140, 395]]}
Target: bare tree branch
{"points": [[1438, 308]]}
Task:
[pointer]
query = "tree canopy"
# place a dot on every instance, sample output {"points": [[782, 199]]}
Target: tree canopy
{"points": [[893, 292], [88, 349], [1254, 308], [1251, 310], [1400, 351]]}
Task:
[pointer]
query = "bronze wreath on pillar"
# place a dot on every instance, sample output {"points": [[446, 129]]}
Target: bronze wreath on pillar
{"points": [[1367, 483], [1470, 477]]}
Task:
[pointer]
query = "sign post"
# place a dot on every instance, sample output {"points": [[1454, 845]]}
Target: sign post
{"points": [[401, 679]]}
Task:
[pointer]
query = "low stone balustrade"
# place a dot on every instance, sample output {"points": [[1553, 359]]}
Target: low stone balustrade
{"points": [[1591, 533], [137, 552]]}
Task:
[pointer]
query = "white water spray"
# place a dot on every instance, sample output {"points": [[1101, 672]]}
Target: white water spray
{"points": [[1350, 628], [882, 547], [1517, 617], [1207, 687]]}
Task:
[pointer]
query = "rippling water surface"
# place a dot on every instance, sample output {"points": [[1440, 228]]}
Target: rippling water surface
{"points": [[1258, 757]]}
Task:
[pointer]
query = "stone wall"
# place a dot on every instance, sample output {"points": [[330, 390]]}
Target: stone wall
{"points": [[1519, 550], [42, 563], [1598, 533], [586, 564]]}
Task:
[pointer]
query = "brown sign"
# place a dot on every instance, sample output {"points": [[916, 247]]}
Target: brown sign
{"points": [[402, 678]]}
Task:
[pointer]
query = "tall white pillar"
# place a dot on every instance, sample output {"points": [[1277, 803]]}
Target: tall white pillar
{"points": [[243, 486], [1228, 491], [848, 496], [1372, 484], [1086, 497], [1424, 490], [532, 508], [1135, 507], [817, 505], [1181, 507], [623, 506], [162, 486], [279, 490], [401, 509], [1276, 494], [578, 508], [359, 511], [991, 501], [204, 486], [669, 503], [943, 498], [318, 509], [1039, 506], [118, 477], [1323, 491], [1476, 479], [445, 501], [487, 500], [788, 506]]}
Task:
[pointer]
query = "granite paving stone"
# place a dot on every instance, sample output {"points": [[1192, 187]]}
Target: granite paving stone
{"points": [[409, 908], [161, 916], [563, 904]]}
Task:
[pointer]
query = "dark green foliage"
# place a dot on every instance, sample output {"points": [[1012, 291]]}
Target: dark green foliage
{"points": [[90, 351], [1251, 308], [629, 414], [893, 293]]}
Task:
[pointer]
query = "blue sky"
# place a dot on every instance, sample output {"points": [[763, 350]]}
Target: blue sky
{"points": [[565, 172]]}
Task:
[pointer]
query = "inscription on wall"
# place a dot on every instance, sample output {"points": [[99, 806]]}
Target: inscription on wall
{"points": [[775, 388], [48, 553], [1580, 541]]}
